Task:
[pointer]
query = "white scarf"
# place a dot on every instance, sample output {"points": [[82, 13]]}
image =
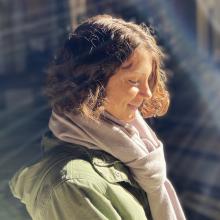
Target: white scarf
{"points": [[134, 144]]}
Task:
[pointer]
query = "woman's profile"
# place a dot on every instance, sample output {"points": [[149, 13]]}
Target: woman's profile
{"points": [[101, 159]]}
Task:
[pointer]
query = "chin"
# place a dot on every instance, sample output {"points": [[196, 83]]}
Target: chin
{"points": [[125, 117]]}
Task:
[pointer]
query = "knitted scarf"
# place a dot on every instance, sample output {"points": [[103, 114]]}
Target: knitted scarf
{"points": [[135, 144]]}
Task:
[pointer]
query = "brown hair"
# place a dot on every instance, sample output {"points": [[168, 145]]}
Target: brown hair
{"points": [[91, 55]]}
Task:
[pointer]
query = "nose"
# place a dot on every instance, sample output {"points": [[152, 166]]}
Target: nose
{"points": [[145, 91]]}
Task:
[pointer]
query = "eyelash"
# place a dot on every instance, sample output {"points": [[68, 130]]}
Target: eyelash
{"points": [[136, 83], [133, 82]]}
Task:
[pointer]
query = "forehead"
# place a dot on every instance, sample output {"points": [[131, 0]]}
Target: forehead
{"points": [[140, 61]]}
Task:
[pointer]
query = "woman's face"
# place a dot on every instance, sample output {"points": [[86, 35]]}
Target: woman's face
{"points": [[130, 85]]}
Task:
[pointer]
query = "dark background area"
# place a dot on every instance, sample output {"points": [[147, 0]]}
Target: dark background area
{"points": [[32, 30]]}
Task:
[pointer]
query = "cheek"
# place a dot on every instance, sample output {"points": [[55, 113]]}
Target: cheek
{"points": [[133, 91], [126, 93], [121, 92]]}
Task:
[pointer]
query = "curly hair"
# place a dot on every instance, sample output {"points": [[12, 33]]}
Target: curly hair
{"points": [[93, 52]]}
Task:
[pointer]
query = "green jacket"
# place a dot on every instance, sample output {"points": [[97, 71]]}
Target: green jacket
{"points": [[74, 183]]}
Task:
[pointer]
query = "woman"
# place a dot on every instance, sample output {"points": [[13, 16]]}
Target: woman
{"points": [[102, 161]]}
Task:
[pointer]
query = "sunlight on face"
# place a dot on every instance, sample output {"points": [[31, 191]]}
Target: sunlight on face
{"points": [[130, 85]]}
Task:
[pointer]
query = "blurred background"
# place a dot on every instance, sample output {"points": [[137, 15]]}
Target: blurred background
{"points": [[189, 31]]}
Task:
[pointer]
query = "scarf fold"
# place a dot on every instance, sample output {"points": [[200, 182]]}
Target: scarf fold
{"points": [[136, 145]]}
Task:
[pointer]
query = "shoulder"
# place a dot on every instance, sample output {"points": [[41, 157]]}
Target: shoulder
{"points": [[78, 168], [68, 162], [90, 170], [77, 162], [82, 173], [85, 181], [70, 169]]}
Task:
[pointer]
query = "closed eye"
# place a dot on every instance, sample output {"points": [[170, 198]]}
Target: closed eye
{"points": [[133, 82]]}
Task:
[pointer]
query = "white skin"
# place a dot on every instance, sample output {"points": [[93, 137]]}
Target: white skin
{"points": [[130, 85]]}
